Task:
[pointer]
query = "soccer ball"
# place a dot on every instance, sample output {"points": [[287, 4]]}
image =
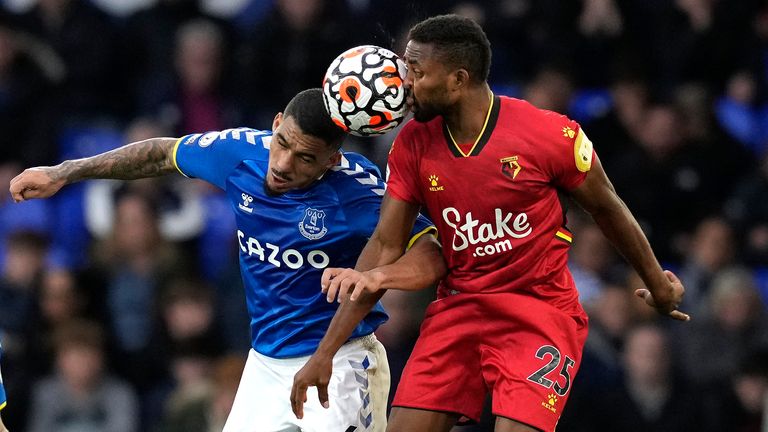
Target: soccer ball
{"points": [[363, 90]]}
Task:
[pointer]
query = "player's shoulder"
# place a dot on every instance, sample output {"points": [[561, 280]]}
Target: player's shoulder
{"points": [[418, 135], [522, 109], [356, 174], [549, 126], [247, 140]]}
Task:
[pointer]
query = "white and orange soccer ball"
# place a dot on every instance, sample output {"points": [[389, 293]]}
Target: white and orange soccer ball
{"points": [[363, 90]]}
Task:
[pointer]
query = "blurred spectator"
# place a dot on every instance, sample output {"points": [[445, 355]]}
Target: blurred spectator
{"points": [[748, 391], [82, 396], [740, 115], [81, 35], [206, 408], [21, 269], [666, 181], [196, 99], [28, 70], [298, 40], [186, 341], [150, 38], [551, 89], [652, 396], [748, 209], [592, 262], [135, 260], [718, 342], [616, 132], [59, 302], [19, 282], [710, 250]]}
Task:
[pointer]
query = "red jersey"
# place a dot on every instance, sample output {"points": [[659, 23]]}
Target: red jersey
{"points": [[496, 202]]}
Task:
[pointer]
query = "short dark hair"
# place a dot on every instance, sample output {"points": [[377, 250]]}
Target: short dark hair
{"points": [[308, 110], [459, 41]]}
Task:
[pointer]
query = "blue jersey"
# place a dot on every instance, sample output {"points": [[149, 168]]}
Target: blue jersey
{"points": [[2, 389], [286, 241]]}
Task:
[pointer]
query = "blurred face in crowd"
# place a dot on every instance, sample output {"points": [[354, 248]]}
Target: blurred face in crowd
{"points": [[645, 356], [661, 135], [198, 58], [136, 230], [300, 14], [712, 245], [23, 264], [614, 310], [58, 298], [81, 365], [428, 82], [296, 160]]}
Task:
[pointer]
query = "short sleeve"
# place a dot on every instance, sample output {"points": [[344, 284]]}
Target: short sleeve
{"points": [[422, 226], [570, 153], [214, 155], [403, 169]]}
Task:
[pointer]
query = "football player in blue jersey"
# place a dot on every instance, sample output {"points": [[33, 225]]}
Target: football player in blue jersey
{"points": [[2, 397], [301, 206]]}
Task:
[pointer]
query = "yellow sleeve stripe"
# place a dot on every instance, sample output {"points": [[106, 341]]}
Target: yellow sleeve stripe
{"points": [[175, 150], [564, 236], [2, 405], [427, 230]]}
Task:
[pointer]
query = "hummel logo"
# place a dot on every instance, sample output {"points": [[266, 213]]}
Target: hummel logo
{"points": [[247, 200]]}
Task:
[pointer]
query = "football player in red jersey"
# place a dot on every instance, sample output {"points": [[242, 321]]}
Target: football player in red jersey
{"points": [[491, 171]]}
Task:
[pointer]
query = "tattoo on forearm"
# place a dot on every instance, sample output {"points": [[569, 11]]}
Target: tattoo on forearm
{"points": [[149, 158]]}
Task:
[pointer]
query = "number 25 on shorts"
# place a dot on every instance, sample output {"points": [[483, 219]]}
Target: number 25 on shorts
{"points": [[540, 376]]}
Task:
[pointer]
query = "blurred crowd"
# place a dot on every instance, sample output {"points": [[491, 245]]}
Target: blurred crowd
{"points": [[121, 307]]}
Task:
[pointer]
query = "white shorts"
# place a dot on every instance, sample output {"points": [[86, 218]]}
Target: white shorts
{"points": [[357, 393]]}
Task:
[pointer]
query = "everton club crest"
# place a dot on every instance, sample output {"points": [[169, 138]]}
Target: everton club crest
{"points": [[313, 224]]}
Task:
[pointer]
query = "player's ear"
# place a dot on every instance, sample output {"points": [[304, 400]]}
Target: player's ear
{"points": [[460, 78], [278, 119], [335, 159]]}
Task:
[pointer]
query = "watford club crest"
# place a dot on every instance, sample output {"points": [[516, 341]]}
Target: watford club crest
{"points": [[510, 167]]}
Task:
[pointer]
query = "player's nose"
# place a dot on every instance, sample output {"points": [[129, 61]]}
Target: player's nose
{"points": [[283, 162]]}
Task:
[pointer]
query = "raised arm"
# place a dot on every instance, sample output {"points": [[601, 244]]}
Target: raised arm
{"points": [[148, 158], [598, 197]]}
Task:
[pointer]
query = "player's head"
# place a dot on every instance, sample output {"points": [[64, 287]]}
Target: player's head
{"points": [[446, 54], [305, 143]]}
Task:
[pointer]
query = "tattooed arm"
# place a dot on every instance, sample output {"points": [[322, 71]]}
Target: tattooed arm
{"points": [[148, 158]]}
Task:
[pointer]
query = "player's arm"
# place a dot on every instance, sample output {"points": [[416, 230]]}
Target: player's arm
{"points": [[598, 197], [148, 158], [381, 264], [396, 218]]}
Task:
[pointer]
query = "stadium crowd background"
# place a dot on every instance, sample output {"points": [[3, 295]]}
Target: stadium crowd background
{"points": [[120, 303]]}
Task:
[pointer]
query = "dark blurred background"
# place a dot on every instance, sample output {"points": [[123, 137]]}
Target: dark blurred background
{"points": [[121, 307]]}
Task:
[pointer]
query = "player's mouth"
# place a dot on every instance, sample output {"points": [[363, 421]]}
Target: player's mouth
{"points": [[279, 180]]}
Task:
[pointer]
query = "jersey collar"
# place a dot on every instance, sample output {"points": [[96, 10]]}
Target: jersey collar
{"points": [[485, 132]]}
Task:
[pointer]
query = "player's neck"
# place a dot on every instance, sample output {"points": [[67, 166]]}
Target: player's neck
{"points": [[466, 122]]}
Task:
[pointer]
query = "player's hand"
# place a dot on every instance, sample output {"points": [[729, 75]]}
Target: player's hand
{"points": [[337, 283], [38, 182], [316, 373], [667, 306]]}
